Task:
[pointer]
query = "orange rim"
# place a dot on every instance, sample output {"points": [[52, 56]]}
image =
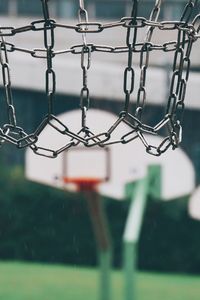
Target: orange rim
{"points": [[86, 183]]}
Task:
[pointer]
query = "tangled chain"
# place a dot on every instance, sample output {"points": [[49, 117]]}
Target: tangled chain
{"points": [[187, 34]]}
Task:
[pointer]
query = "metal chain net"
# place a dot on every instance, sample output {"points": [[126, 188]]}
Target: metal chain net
{"points": [[170, 124]]}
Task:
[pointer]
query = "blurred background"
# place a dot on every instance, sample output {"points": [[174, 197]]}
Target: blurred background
{"points": [[43, 225]]}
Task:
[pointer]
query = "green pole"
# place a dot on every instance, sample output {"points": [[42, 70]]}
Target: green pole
{"points": [[130, 259], [131, 237], [105, 274], [138, 193]]}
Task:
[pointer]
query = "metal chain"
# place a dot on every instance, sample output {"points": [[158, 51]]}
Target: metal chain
{"points": [[10, 131], [50, 75], [129, 73], [7, 82], [170, 124], [76, 49], [85, 65], [144, 60]]}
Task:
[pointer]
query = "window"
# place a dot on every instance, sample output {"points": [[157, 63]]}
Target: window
{"points": [[4, 6], [173, 11], [110, 9], [145, 8], [27, 7], [67, 8]]}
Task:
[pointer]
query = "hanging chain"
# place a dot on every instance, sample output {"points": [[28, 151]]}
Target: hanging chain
{"points": [[170, 123], [144, 61], [11, 132], [7, 82], [129, 73], [85, 65], [50, 75]]}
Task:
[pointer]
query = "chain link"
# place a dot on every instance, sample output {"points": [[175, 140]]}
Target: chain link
{"points": [[50, 75], [171, 123], [11, 132], [83, 28]]}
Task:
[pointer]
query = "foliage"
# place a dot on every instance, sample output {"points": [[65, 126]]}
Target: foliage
{"points": [[42, 224]]}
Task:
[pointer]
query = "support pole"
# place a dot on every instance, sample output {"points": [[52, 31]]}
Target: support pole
{"points": [[131, 237], [130, 266], [105, 265], [103, 240], [12, 8], [138, 193]]}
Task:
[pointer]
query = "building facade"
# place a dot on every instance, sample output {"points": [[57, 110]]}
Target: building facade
{"points": [[106, 9]]}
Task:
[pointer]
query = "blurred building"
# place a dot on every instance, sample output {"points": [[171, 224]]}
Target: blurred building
{"points": [[106, 9]]}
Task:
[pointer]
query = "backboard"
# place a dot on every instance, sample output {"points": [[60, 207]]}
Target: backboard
{"points": [[127, 163], [194, 204]]}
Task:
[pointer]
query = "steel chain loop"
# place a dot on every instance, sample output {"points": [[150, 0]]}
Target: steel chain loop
{"points": [[170, 124], [10, 131]]}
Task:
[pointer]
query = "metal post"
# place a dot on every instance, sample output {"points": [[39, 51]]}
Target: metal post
{"points": [[103, 240], [12, 8], [91, 10], [130, 260], [131, 236], [138, 193], [105, 260]]}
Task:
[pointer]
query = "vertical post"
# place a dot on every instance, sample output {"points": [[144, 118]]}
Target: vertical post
{"points": [[130, 266], [91, 10], [138, 193], [53, 8], [155, 181], [131, 237], [12, 8], [105, 260], [128, 7], [103, 240]]}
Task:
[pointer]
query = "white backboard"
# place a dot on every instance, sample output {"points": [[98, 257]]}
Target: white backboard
{"points": [[128, 162], [86, 163], [194, 204]]}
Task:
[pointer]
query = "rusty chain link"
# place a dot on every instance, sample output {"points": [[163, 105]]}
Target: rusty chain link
{"points": [[170, 124]]}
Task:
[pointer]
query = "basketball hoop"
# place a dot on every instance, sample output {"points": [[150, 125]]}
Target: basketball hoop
{"points": [[83, 184], [85, 169], [170, 123]]}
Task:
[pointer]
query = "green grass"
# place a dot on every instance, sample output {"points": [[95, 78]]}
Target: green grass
{"points": [[24, 281]]}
